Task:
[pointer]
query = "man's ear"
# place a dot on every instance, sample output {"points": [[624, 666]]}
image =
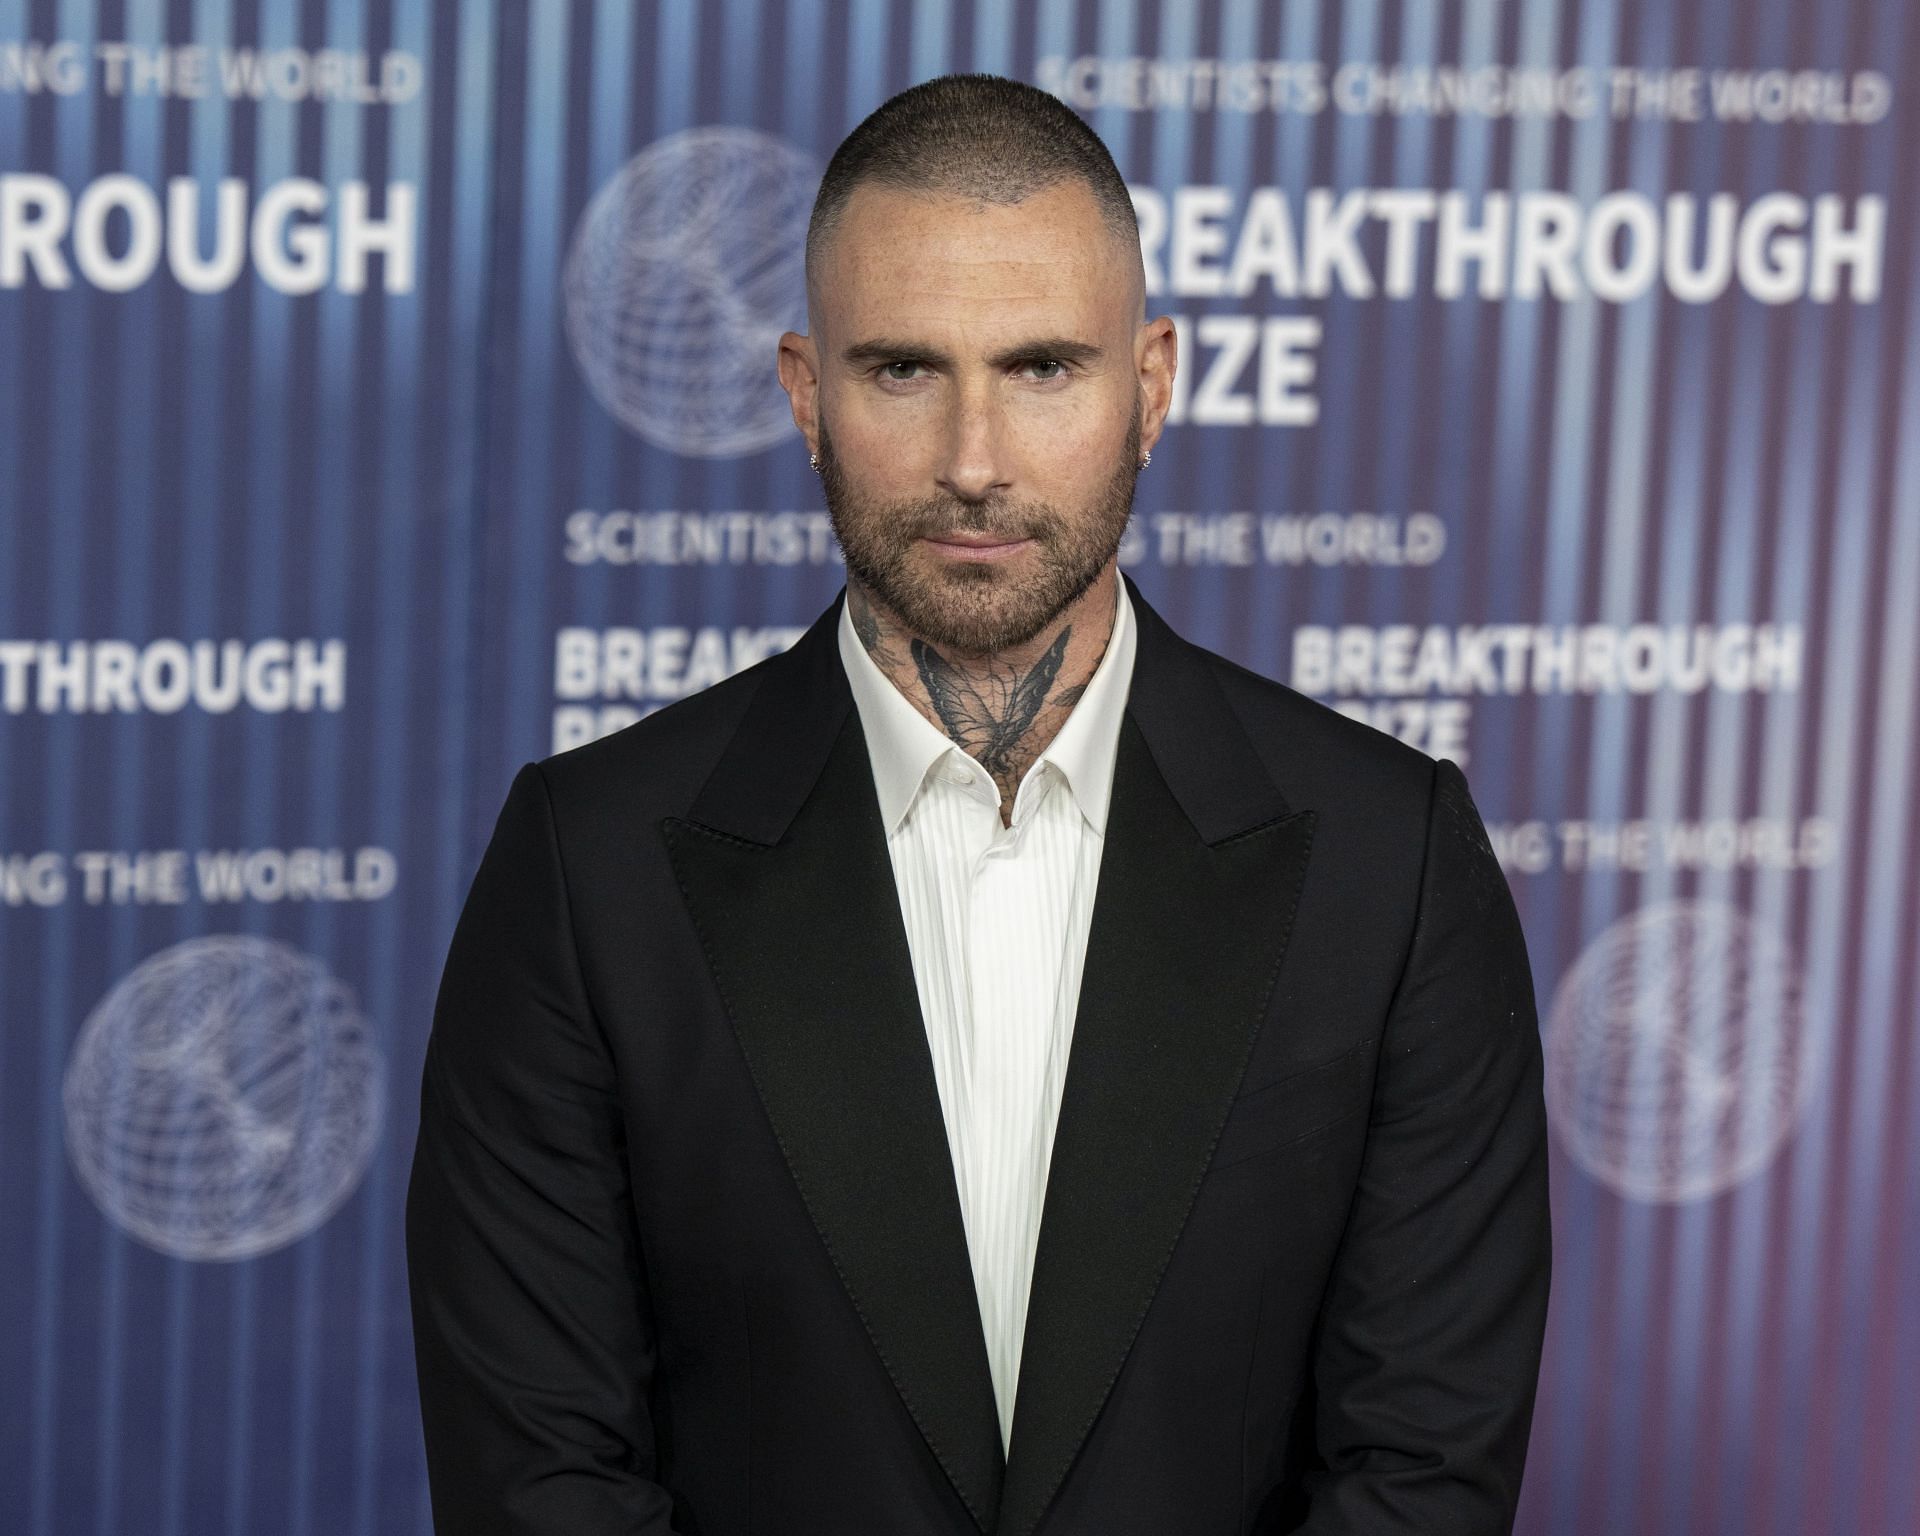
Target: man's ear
{"points": [[799, 364], [1154, 350]]}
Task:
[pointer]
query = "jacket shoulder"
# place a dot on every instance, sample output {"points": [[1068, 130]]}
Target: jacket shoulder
{"points": [[1321, 758], [656, 765]]}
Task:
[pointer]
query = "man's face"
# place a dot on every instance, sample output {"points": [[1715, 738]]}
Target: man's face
{"points": [[976, 384]]}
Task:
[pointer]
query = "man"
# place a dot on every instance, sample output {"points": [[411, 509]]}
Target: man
{"points": [[995, 1067]]}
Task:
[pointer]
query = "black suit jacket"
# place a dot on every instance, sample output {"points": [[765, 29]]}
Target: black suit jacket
{"points": [[685, 1248]]}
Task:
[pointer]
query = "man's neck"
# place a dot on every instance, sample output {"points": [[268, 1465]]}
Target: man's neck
{"points": [[1002, 709]]}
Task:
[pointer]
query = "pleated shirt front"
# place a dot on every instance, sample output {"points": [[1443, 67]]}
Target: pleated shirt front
{"points": [[997, 921]]}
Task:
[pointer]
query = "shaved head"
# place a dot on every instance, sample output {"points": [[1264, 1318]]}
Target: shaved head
{"points": [[979, 138]]}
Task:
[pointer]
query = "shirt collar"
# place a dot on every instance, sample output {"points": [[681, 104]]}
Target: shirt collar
{"points": [[904, 745]]}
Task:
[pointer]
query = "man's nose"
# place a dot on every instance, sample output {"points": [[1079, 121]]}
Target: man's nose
{"points": [[975, 464]]}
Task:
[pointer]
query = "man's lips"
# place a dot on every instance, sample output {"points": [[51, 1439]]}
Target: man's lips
{"points": [[976, 546]]}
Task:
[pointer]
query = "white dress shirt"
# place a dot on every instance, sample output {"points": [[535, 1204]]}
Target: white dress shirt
{"points": [[996, 921]]}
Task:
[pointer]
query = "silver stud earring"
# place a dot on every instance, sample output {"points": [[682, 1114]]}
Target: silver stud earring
{"points": [[1146, 458], [813, 462]]}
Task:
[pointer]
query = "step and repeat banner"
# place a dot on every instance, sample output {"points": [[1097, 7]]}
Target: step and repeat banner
{"points": [[387, 398]]}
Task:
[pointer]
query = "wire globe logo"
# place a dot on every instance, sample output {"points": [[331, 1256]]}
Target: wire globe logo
{"points": [[1677, 1052], [684, 270], [224, 1099]]}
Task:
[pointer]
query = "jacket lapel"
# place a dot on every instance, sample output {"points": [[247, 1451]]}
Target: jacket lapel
{"points": [[784, 867], [1199, 876]]}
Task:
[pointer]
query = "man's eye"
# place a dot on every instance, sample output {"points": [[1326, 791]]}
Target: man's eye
{"points": [[1047, 367], [902, 370]]}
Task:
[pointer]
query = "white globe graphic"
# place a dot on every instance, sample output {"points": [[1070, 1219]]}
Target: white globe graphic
{"points": [[685, 269], [1677, 1052], [224, 1099]]}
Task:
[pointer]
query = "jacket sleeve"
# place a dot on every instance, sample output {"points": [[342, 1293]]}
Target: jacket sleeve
{"points": [[530, 1314], [1430, 1332]]}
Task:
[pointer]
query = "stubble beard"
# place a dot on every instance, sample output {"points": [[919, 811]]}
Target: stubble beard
{"points": [[978, 608]]}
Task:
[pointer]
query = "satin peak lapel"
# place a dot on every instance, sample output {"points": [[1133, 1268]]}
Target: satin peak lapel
{"points": [[784, 867], [1201, 871]]}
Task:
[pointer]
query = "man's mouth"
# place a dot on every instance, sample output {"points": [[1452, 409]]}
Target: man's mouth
{"points": [[976, 546]]}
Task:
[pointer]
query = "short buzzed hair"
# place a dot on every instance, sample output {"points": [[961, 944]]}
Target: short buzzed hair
{"points": [[977, 136]]}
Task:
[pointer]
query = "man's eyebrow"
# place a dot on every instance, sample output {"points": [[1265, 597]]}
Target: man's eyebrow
{"points": [[1055, 349], [1046, 349]]}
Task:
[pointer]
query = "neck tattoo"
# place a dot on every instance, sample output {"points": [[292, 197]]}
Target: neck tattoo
{"points": [[1002, 713]]}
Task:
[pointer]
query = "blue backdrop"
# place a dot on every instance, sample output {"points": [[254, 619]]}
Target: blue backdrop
{"points": [[386, 399]]}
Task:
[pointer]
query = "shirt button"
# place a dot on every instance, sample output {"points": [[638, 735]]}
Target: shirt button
{"points": [[963, 775]]}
